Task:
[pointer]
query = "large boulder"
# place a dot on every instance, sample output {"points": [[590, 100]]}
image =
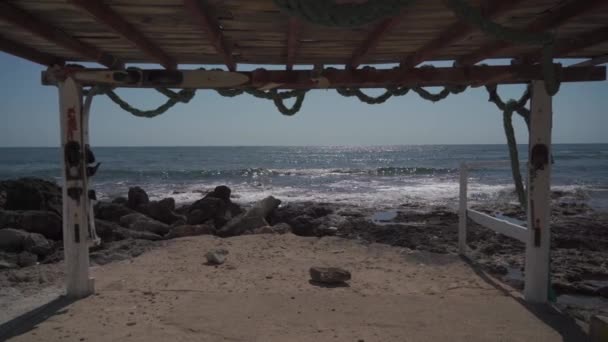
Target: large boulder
{"points": [[208, 208], [30, 194], [304, 225], [37, 244], [25, 259], [136, 197], [222, 192], [252, 219], [12, 240], [8, 260], [46, 223], [190, 230], [163, 210], [111, 211]]}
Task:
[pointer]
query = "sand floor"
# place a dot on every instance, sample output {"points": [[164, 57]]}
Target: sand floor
{"points": [[262, 293]]}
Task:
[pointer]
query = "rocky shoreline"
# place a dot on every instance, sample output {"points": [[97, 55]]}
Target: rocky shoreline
{"points": [[30, 233]]}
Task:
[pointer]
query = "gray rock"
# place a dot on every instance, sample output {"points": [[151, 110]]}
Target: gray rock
{"points": [[111, 211], [304, 225], [30, 194], [122, 234], [37, 244], [208, 208], [136, 197], [324, 230], [264, 230], [190, 230], [241, 224], [329, 275], [162, 210], [150, 225], [12, 240], [222, 192], [252, 219], [216, 257], [282, 228], [8, 260], [127, 220], [46, 223], [120, 200], [25, 259]]}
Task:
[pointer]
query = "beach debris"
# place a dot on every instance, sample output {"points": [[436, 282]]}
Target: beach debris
{"points": [[136, 197], [251, 219], [329, 275], [216, 256], [190, 230]]}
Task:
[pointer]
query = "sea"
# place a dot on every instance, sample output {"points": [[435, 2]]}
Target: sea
{"points": [[378, 176]]}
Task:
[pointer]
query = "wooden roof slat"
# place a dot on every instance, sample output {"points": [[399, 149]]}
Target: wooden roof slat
{"points": [[200, 14], [571, 9], [28, 53], [456, 32], [293, 35], [592, 61], [566, 46], [109, 17], [372, 41], [28, 22]]}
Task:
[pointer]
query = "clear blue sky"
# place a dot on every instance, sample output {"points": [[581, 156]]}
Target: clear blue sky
{"points": [[29, 117]]}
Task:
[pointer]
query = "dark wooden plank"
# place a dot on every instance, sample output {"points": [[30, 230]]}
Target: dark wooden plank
{"points": [[567, 46], [292, 41], [201, 16], [25, 52], [372, 41], [41, 28], [364, 78], [109, 17], [551, 20], [456, 32]]}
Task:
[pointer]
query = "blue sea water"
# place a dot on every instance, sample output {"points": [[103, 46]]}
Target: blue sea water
{"points": [[382, 176]]}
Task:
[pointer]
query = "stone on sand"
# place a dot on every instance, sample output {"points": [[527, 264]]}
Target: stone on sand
{"points": [[216, 256], [329, 275]]}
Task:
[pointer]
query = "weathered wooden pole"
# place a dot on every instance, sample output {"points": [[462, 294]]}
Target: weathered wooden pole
{"points": [[462, 212], [537, 273], [75, 190]]}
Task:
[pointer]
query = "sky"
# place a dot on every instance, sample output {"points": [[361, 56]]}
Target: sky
{"points": [[29, 117]]}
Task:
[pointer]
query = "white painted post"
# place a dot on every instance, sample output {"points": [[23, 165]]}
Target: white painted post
{"points": [[462, 213], [537, 276], [75, 190]]}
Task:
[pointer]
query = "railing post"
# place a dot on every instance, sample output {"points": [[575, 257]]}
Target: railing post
{"points": [[462, 212], [537, 274], [75, 190]]}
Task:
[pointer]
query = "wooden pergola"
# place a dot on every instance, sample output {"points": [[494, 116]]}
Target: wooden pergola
{"points": [[174, 33]]}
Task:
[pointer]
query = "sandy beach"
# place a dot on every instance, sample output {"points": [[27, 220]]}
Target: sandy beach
{"points": [[262, 293]]}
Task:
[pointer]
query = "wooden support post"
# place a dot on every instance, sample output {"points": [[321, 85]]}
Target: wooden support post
{"points": [[75, 191], [537, 274], [462, 212]]}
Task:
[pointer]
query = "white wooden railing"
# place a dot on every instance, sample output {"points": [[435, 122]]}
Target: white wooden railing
{"points": [[498, 225]]}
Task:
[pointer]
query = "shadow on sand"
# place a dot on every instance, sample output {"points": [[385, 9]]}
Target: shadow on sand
{"points": [[563, 324], [29, 320]]}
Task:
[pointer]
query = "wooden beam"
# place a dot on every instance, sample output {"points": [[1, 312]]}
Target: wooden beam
{"points": [[38, 27], [327, 78], [571, 9], [537, 270], [105, 14], [26, 52], [593, 61], [456, 32], [208, 24], [566, 46], [373, 39], [293, 35]]}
